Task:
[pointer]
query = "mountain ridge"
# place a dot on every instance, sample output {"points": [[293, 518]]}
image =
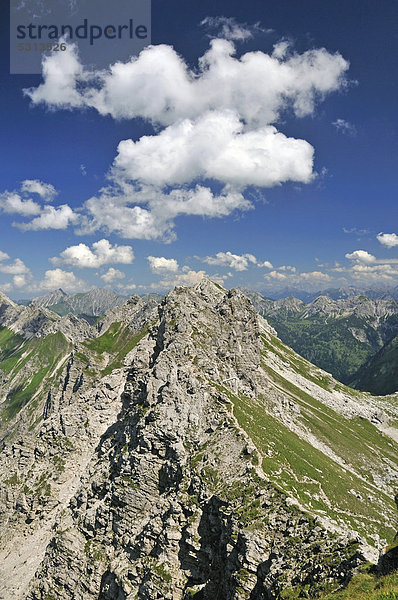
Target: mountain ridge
{"points": [[153, 476]]}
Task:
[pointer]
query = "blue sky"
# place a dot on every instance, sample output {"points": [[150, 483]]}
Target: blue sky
{"points": [[285, 179]]}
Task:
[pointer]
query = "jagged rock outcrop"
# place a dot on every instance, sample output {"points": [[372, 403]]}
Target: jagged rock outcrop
{"points": [[161, 479]]}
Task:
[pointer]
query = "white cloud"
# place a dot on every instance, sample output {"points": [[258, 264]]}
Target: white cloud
{"points": [[219, 126], [17, 267], [57, 278], [355, 230], [161, 265], [12, 203], [60, 75], [51, 218], [345, 127], [19, 281], [287, 275], [187, 278], [112, 213], [46, 217], [215, 147], [102, 253], [315, 276], [127, 287], [234, 261], [361, 256], [21, 273], [229, 29], [46, 191], [388, 239], [112, 275], [265, 264], [275, 275], [159, 86], [6, 287]]}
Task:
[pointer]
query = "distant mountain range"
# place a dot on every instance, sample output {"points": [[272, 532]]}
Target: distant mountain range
{"points": [[339, 336], [90, 305], [333, 293], [93, 303]]}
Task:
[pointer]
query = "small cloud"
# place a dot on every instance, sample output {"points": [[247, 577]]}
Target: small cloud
{"points": [[239, 262], [388, 239], [361, 256], [234, 261], [13, 203], [57, 278], [83, 170], [102, 253], [46, 191], [345, 127], [112, 275], [50, 218], [287, 268], [229, 29], [355, 231], [127, 288], [265, 264], [161, 265], [315, 276], [17, 268], [188, 277], [276, 276]]}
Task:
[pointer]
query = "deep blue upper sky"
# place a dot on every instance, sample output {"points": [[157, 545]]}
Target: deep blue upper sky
{"points": [[308, 226]]}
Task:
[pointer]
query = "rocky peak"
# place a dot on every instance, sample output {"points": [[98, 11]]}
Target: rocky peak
{"points": [[50, 298]]}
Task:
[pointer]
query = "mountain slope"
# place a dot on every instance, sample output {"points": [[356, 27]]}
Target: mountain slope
{"points": [[155, 477], [380, 374], [337, 335]]}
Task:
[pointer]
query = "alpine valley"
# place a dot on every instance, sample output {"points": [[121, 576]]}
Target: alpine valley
{"points": [[339, 335], [176, 448]]}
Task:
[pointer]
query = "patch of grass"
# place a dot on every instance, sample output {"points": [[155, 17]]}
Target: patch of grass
{"points": [[367, 585], [160, 570], [117, 341]]}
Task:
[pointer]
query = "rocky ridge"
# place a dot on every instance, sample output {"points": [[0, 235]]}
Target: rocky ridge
{"points": [[160, 479]]}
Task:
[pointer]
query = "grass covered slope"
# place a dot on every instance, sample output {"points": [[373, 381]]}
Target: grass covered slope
{"points": [[337, 466], [27, 367], [365, 585]]}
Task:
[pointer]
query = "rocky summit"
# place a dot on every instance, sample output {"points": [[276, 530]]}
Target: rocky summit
{"points": [[181, 450]]}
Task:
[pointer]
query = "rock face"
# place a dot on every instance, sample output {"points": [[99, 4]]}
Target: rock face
{"points": [[204, 466]]}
